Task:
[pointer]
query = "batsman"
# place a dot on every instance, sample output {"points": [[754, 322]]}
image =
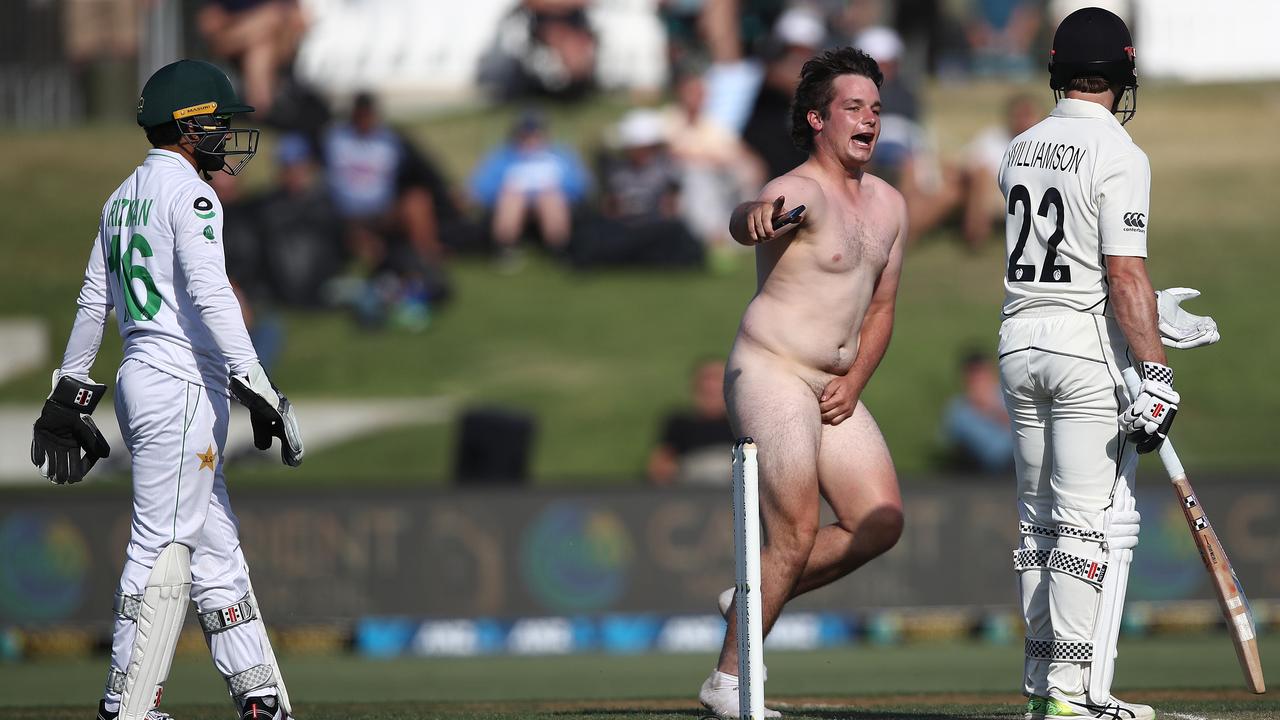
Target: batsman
{"points": [[157, 261], [1079, 308]]}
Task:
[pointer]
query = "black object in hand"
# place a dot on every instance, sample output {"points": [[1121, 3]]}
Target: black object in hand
{"points": [[786, 218]]}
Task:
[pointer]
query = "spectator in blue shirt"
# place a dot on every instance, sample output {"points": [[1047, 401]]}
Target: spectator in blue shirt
{"points": [[530, 181], [976, 424], [392, 203], [387, 192]]}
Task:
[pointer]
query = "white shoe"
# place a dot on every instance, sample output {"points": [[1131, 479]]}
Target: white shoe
{"points": [[1063, 706], [152, 714], [719, 694]]}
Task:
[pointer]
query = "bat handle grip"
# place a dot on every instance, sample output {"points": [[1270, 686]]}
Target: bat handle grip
{"points": [[1168, 455]]}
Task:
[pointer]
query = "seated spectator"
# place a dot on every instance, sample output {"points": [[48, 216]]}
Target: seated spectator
{"points": [[975, 426], [259, 36], [642, 183], [639, 223], [799, 35], [984, 208], [544, 47], [733, 35], [695, 443], [266, 331], [389, 198], [904, 157], [1001, 33], [970, 185], [246, 267], [717, 171], [526, 182], [898, 94], [302, 234], [241, 244], [900, 132]]}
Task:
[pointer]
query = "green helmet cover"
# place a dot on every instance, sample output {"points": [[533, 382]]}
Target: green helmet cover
{"points": [[187, 88]]}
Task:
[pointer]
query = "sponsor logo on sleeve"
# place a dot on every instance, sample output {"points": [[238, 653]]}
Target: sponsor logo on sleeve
{"points": [[208, 234], [204, 208], [1135, 222]]}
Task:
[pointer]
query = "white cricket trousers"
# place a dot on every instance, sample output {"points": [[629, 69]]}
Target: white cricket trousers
{"points": [[1060, 372], [175, 432]]}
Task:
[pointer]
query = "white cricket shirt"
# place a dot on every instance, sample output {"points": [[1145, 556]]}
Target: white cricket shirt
{"points": [[1076, 189], [158, 261]]}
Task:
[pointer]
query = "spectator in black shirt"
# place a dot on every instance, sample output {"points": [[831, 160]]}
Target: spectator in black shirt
{"points": [[300, 232], [798, 36], [695, 443]]}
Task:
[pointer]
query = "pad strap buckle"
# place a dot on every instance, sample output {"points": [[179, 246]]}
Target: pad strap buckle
{"points": [[1090, 571], [115, 681], [127, 606], [230, 616], [246, 681]]}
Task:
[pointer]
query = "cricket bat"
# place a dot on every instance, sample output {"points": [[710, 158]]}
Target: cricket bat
{"points": [[1231, 598]]}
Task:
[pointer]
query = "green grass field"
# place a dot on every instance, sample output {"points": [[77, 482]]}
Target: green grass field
{"points": [[599, 358], [1185, 677]]}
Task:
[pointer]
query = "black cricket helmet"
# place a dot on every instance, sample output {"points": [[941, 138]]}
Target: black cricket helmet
{"points": [[199, 98], [1092, 42]]}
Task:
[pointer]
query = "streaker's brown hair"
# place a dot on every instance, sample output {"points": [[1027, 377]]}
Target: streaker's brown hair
{"points": [[817, 87]]}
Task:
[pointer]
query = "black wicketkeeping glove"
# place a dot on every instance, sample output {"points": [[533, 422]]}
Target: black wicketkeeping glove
{"points": [[65, 444], [270, 412]]}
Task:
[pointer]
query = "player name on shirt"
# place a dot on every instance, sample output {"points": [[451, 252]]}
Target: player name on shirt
{"points": [[126, 212], [1045, 155]]}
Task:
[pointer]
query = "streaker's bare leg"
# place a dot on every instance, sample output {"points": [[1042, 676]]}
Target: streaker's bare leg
{"points": [[780, 412], [856, 476]]}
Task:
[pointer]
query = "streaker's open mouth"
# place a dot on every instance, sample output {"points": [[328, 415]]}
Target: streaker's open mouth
{"points": [[864, 138]]}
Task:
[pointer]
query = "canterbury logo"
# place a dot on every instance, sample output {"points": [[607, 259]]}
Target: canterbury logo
{"points": [[1135, 220]]}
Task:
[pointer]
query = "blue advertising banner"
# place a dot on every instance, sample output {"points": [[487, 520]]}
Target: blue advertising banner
{"points": [[322, 556]]}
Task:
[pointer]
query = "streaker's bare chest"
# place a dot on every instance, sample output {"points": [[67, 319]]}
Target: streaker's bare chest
{"points": [[854, 239]]}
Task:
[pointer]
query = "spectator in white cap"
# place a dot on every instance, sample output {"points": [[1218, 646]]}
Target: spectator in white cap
{"points": [[645, 181], [884, 45], [639, 222], [903, 156], [799, 34], [801, 27]]}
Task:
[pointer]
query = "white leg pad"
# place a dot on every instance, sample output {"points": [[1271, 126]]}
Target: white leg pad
{"points": [[1122, 536], [159, 621], [269, 655], [1030, 562], [1078, 568]]}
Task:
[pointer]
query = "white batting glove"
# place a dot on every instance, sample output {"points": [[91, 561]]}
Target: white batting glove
{"points": [[1148, 419], [1179, 328]]}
